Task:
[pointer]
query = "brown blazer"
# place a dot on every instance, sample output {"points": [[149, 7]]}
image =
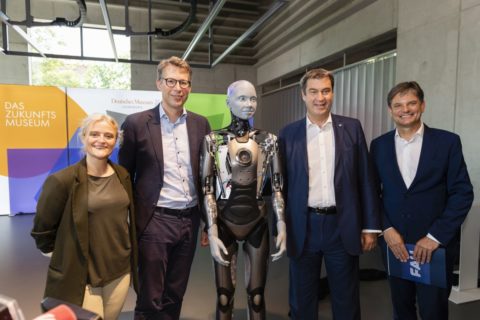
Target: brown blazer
{"points": [[61, 226]]}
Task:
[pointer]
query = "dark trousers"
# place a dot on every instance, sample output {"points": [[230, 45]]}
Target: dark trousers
{"points": [[432, 301], [166, 249], [323, 241]]}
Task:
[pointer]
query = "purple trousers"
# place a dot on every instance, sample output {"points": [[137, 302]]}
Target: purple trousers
{"points": [[166, 249]]}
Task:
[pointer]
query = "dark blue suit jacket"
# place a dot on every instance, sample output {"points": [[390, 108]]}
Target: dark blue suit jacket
{"points": [[440, 195], [355, 192], [142, 155]]}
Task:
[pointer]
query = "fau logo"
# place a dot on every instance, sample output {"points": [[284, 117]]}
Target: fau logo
{"points": [[414, 266]]}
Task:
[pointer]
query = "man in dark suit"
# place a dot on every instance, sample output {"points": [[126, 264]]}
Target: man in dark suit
{"points": [[161, 151], [426, 194], [332, 208]]}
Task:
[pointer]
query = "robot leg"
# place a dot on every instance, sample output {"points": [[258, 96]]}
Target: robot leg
{"points": [[225, 279], [256, 250]]}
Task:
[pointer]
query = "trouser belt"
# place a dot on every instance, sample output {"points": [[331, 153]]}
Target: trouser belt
{"points": [[324, 210], [179, 213]]}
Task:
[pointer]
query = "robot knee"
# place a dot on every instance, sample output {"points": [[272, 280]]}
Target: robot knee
{"points": [[256, 300], [224, 299]]}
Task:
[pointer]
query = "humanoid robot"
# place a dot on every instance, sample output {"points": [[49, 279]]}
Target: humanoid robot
{"points": [[236, 164]]}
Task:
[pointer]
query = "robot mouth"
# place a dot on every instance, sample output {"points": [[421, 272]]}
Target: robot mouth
{"points": [[248, 111]]}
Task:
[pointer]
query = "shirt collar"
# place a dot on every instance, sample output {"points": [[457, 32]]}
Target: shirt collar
{"points": [[418, 134], [310, 124], [163, 115]]}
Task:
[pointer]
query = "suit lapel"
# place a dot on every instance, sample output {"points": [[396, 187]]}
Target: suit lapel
{"points": [[338, 133], [391, 153], [302, 151], [192, 132], [155, 131]]}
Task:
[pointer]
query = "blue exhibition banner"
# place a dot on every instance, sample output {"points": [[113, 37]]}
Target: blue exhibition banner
{"points": [[432, 273]]}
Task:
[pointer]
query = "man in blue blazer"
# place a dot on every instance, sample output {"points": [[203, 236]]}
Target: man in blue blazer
{"points": [[426, 194], [161, 151], [332, 208]]}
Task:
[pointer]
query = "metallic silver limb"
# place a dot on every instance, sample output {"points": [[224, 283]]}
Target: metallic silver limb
{"points": [[277, 183], [208, 180]]}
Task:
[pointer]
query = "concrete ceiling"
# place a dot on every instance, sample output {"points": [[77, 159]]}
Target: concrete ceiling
{"points": [[294, 22]]}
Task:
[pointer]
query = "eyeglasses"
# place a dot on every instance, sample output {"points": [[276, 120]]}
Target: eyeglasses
{"points": [[173, 82]]}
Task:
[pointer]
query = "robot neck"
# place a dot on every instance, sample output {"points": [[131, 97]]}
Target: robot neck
{"points": [[239, 127]]}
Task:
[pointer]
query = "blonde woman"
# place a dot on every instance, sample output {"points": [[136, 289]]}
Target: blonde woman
{"points": [[85, 221]]}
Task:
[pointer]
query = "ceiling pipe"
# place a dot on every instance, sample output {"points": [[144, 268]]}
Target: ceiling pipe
{"points": [[273, 9], [5, 19], [203, 28], [106, 18], [59, 21]]}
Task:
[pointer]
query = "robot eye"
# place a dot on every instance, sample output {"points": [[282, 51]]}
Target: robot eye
{"points": [[244, 157]]}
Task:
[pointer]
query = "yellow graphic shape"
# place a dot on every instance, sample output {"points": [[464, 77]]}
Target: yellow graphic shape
{"points": [[31, 118]]}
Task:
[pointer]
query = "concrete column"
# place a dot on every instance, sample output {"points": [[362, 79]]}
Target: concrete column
{"points": [[466, 124], [438, 46], [427, 46]]}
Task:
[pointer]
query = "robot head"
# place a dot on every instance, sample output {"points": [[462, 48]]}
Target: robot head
{"points": [[242, 99]]}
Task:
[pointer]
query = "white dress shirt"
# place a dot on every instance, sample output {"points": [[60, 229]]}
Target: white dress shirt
{"points": [[321, 163], [408, 154]]}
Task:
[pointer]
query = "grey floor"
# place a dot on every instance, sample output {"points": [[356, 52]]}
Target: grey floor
{"points": [[23, 270]]}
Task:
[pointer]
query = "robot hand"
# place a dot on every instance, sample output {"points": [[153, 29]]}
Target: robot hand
{"points": [[217, 246], [280, 241]]}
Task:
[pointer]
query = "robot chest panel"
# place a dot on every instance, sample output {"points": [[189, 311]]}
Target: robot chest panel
{"points": [[242, 160]]}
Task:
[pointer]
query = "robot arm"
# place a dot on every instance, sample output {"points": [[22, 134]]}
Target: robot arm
{"points": [[208, 180], [209, 202], [278, 203]]}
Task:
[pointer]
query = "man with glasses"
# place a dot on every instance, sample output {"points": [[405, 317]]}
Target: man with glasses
{"points": [[161, 151]]}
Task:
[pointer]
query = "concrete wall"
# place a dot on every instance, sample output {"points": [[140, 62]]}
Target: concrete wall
{"points": [[467, 111], [374, 20], [438, 46], [203, 80], [14, 69]]}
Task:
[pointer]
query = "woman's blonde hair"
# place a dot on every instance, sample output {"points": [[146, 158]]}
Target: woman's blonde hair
{"points": [[98, 117]]}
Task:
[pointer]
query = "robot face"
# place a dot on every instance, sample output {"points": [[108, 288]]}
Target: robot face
{"points": [[242, 100], [243, 157]]}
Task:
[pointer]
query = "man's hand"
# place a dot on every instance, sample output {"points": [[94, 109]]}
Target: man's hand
{"points": [[203, 239], [369, 241], [217, 246], [424, 249], [395, 243], [280, 240]]}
